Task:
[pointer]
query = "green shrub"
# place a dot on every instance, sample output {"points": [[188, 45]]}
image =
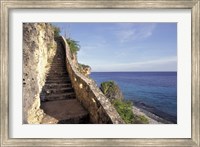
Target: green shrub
{"points": [[73, 45], [111, 90], [108, 85], [124, 108]]}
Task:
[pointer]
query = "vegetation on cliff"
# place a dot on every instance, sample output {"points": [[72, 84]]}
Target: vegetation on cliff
{"points": [[73, 45], [124, 108], [74, 48], [56, 31], [112, 91]]}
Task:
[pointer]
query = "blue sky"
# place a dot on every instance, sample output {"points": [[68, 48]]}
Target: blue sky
{"points": [[125, 46]]}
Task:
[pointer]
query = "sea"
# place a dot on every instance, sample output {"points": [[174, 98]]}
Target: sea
{"points": [[155, 92]]}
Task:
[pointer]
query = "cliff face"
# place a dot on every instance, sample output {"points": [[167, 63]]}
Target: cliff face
{"points": [[39, 48]]}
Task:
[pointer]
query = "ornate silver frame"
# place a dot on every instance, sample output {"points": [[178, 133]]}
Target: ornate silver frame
{"points": [[6, 5]]}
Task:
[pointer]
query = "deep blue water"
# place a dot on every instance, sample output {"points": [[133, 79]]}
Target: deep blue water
{"points": [[154, 91]]}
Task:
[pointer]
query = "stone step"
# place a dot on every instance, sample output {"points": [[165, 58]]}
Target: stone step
{"points": [[62, 63], [58, 80], [58, 77], [64, 112], [55, 79], [58, 65], [59, 57], [56, 90], [60, 96], [58, 68], [54, 85], [59, 61], [57, 72]]}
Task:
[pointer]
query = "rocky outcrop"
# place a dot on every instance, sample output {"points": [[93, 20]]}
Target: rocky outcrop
{"points": [[84, 69], [39, 49], [111, 90]]}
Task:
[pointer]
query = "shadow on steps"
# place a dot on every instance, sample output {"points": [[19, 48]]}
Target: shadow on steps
{"points": [[65, 112]]}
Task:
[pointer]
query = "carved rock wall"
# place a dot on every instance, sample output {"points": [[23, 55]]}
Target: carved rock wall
{"points": [[39, 49]]}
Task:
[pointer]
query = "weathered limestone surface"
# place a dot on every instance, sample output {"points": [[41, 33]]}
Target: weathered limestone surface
{"points": [[39, 49], [87, 92], [84, 69]]}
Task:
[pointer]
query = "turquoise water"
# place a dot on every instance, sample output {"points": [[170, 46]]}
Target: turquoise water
{"points": [[153, 91]]}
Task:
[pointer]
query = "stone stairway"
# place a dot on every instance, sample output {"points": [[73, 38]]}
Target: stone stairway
{"points": [[58, 99]]}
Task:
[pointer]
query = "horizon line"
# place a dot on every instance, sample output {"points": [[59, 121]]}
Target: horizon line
{"points": [[133, 71]]}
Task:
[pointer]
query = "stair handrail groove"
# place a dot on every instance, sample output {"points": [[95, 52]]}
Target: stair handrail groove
{"points": [[101, 111]]}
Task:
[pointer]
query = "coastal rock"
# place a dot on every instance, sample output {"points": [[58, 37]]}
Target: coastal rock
{"points": [[84, 69], [111, 90]]}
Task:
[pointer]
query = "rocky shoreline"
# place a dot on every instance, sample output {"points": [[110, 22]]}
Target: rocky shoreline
{"points": [[153, 119]]}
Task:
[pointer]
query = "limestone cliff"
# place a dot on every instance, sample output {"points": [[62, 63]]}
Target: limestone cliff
{"points": [[39, 49], [84, 69]]}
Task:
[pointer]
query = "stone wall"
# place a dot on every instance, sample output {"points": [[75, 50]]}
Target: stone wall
{"points": [[39, 49], [89, 95]]}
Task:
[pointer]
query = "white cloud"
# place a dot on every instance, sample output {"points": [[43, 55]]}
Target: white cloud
{"points": [[128, 32], [166, 64]]}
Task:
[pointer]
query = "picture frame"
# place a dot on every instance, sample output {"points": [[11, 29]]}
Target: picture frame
{"points": [[7, 5]]}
